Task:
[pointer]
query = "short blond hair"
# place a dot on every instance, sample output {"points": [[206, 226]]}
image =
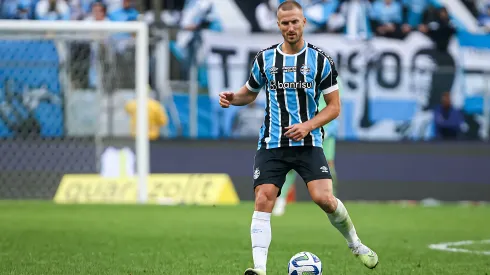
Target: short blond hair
{"points": [[289, 5]]}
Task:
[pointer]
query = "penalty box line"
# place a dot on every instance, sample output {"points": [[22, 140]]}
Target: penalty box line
{"points": [[449, 247]]}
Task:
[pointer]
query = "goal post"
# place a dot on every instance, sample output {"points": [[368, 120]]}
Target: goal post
{"points": [[24, 29]]}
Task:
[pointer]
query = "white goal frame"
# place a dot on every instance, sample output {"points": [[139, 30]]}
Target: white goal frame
{"points": [[140, 29]]}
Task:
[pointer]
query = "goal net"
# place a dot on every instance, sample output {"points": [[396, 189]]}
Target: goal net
{"points": [[64, 88]]}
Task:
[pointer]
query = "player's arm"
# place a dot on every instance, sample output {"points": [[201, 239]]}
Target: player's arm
{"points": [[329, 113], [243, 96], [330, 89], [298, 131], [248, 93]]}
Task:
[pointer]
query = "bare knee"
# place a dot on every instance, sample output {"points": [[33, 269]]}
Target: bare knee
{"points": [[321, 193], [265, 197], [326, 200]]}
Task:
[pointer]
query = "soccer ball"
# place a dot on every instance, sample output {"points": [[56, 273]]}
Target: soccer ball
{"points": [[305, 263]]}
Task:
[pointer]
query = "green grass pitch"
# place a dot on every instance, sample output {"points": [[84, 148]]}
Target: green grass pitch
{"points": [[44, 238]]}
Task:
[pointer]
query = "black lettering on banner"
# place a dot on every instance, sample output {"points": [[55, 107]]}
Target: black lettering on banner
{"points": [[185, 190], [193, 187], [381, 71], [194, 181], [109, 193], [156, 190], [351, 83], [224, 53], [172, 189], [207, 186], [350, 62], [90, 190], [125, 188], [73, 191]]}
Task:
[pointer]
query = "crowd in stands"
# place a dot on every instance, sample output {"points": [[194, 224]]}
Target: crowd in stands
{"points": [[99, 10], [389, 18]]}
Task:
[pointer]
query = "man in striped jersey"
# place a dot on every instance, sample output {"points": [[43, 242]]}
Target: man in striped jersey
{"points": [[295, 75], [328, 148]]}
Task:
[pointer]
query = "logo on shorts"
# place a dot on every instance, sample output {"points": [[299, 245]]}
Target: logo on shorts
{"points": [[324, 169], [256, 173]]}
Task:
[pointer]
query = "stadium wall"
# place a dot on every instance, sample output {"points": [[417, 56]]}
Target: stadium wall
{"points": [[367, 171]]}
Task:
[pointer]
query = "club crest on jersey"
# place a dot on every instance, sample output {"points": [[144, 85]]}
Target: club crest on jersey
{"points": [[304, 69]]}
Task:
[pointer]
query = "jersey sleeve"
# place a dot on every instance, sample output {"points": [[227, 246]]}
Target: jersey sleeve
{"points": [[256, 80], [328, 83]]}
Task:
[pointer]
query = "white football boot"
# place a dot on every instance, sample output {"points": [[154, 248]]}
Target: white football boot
{"points": [[367, 256]]}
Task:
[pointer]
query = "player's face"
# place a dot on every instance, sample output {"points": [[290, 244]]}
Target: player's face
{"points": [[291, 23]]}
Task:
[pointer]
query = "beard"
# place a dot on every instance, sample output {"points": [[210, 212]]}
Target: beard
{"points": [[292, 39]]}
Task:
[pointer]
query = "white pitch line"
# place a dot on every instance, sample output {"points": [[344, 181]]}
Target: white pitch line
{"points": [[447, 247]]}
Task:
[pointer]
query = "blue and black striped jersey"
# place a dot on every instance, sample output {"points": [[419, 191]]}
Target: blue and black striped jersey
{"points": [[293, 84]]}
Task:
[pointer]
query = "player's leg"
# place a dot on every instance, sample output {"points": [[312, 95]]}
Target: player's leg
{"points": [[281, 201], [329, 150], [260, 229], [313, 168], [269, 174]]}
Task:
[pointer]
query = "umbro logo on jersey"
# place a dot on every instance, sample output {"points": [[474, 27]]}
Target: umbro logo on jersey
{"points": [[274, 70]]}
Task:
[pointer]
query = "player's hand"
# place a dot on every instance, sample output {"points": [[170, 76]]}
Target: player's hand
{"points": [[225, 99], [297, 132]]}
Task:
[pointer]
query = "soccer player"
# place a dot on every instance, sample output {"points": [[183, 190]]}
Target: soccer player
{"points": [[295, 74], [329, 150]]}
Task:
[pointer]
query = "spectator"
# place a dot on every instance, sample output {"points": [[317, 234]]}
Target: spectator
{"points": [[449, 122], [99, 11], [99, 52], [157, 117], [351, 18], [471, 5], [481, 5], [387, 19], [23, 10], [438, 27], [124, 44], [414, 10], [113, 5], [196, 16], [52, 10], [318, 14], [126, 13], [484, 19], [15, 9], [265, 13], [80, 9]]}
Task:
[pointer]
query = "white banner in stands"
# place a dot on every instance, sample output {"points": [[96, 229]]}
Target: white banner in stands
{"points": [[389, 86]]}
